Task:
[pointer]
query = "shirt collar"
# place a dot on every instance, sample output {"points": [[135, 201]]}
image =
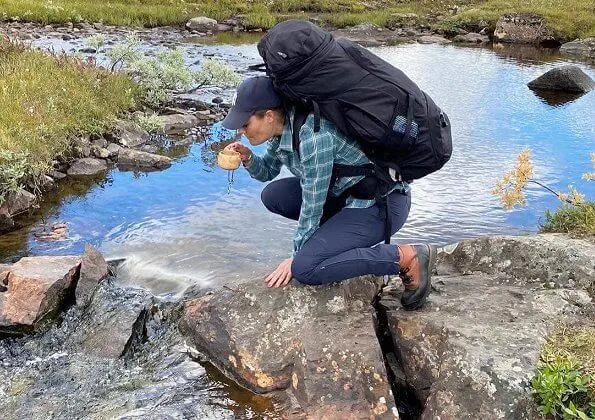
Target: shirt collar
{"points": [[286, 142]]}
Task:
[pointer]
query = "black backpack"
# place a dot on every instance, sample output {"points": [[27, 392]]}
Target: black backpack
{"points": [[396, 124]]}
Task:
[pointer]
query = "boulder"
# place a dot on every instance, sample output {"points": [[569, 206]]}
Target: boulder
{"points": [[177, 123], [35, 288], [472, 38], [521, 29], [93, 269], [474, 347], [201, 24], [129, 158], [86, 166], [318, 343], [580, 47], [564, 78], [433, 39]]}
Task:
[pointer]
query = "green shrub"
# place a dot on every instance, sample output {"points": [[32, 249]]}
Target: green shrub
{"points": [[159, 77], [565, 383], [576, 220]]}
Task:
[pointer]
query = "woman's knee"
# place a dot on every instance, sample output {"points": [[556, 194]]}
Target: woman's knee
{"points": [[269, 197], [302, 269]]}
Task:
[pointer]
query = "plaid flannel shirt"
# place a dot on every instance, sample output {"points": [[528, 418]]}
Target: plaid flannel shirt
{"points": [[313, 166]]}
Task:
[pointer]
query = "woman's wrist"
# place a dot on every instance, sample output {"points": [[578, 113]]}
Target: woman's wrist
{"points": [[248, 161]]}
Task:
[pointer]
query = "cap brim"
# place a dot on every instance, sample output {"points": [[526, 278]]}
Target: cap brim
{"points": [[235, 119]]}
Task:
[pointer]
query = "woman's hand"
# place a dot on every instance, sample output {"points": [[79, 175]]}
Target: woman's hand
{"points": [[281, 276], [245, 152]]}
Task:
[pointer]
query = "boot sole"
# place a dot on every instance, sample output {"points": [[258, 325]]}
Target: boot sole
{"points": [[422, 299]]}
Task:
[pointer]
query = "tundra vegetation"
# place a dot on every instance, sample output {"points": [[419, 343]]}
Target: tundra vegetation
{"points": [[50, 100], [570, 20]]}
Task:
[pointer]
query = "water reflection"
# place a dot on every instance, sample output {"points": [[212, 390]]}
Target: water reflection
{"points": [[556, 98]]}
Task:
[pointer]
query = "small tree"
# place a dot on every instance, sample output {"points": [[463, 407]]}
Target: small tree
{"points": [[575, 216], [166, 73]]}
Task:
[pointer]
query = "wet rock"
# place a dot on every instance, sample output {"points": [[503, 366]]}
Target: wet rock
{"points": [[130, 158], [36, 289], [521, 29], [472, 38], [86, 166], [18, 202], [221, 27], [580, 47], [433, 39], [131, 134], [564, 78], [114, 322], [177, 123], [100, 152], [473, 349], [201, 24], [318, 343], [113, 150], [57, 175], [58, 232], [15, 204], [93, 270]]}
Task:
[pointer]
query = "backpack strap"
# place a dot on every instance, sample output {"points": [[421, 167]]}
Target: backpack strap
{"points": [[300, 116], [258, 67], [316, 110]]}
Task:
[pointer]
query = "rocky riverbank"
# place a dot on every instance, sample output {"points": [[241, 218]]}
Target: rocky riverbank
{"points": [[78, 343], [129, 147]]}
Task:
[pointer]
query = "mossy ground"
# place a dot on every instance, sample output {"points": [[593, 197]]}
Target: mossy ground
{"points": [[569, 18]]}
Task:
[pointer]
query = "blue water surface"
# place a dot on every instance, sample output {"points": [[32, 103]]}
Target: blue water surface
{"points": [[184, 225]]}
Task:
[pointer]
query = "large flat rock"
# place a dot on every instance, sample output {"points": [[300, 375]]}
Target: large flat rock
{"points": [[473, 349], [318, 343], [35, 288]]}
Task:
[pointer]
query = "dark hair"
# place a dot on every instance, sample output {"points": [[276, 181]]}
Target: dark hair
{"points": [[279, 111]]}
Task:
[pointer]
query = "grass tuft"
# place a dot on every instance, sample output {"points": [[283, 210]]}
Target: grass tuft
{"points": [[47, 101], [568, 19], [576, 220]]}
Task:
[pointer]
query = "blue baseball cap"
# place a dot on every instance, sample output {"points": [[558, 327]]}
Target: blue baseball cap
{"points": [[254, 94]]}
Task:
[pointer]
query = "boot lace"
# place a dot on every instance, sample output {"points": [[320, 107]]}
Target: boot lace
{"points": [[405, 277]]}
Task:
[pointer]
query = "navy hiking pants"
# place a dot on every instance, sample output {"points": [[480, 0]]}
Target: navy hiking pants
{"points": [[347, 243]]}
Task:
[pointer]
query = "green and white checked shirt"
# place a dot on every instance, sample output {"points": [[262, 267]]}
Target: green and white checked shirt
{"points": [[313, 166]]}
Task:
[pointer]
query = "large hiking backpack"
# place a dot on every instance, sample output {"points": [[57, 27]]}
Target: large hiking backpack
{"points": [[397, 125]]}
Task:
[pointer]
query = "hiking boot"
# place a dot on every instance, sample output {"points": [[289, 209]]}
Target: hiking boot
{"points": [[417, 262]]}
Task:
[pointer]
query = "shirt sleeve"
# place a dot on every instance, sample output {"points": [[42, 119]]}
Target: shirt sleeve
{"points": [[266, 167], [316, 156]]}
